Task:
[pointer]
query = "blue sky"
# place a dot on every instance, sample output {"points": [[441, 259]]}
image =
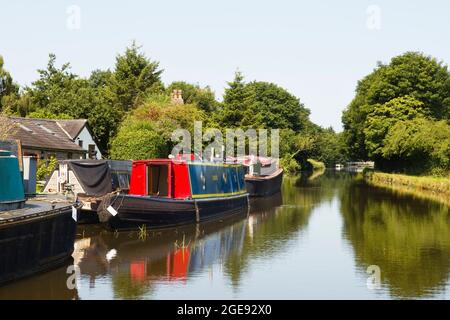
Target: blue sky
{"points": [[317, 50]]}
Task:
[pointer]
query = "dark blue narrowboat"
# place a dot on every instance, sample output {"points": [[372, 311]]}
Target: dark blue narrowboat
{"points": [[34, 236], [171, 192]]}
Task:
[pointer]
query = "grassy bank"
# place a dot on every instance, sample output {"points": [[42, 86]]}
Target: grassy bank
{"points": [[423, 186]]}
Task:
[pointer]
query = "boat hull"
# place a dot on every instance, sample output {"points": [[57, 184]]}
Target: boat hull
{"points": [[39, 240], [153, 212], [263, 186]]}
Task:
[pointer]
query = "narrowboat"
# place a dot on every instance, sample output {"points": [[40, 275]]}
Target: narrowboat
{"points": [[87, 181], [171, 192], [35, 236], [263, 175]]}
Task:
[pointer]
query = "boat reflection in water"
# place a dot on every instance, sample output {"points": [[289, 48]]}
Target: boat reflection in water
{"points": [[136, 262], [322, 234], [51, 285]]}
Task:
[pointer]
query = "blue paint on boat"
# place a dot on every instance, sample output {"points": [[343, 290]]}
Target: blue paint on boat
{"points": [[216, 180], [12, 194]]}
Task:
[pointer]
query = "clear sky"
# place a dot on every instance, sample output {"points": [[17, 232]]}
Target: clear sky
{"points": [[317, 50]]}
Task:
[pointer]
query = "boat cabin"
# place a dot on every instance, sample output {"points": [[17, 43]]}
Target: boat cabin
{"points": [[183, 179]]}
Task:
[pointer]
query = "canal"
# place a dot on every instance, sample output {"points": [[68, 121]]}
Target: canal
{"points": [[325, 237]]}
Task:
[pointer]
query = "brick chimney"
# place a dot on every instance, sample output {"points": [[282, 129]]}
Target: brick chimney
{"points": [[177, 97]]}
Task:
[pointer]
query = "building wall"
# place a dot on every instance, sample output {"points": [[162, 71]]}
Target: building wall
{"points": [[87, 139], [47, 154]]}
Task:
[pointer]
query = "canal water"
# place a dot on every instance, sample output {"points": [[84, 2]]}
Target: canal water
{"points": [[325, 237]]}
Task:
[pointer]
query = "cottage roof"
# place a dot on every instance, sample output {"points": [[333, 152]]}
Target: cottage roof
{"points": [[47, 133]]}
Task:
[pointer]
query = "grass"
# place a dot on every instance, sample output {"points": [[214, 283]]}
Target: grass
{"points": [[435, 188], [142, 233], [428, 183]]}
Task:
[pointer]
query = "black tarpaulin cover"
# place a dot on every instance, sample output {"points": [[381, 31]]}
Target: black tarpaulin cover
{"points": [[93, 175]]}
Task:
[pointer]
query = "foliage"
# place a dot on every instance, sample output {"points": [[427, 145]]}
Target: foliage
{"points": [[147, 132], [9, 90], [134, 76], [60, 94], [45, 168], [383, 117], [137, 140], [290, 165], [261, 105], [422, 145], [316, 165], [412, 74]]}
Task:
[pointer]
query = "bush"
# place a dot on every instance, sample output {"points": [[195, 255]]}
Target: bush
{"points": [[45, 168], [290, 165], [138, 140]]}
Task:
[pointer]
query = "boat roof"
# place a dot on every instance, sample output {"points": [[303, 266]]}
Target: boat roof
{"points": [[32, 209]]}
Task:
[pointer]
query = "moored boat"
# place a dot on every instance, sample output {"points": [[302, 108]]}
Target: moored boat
{"points": [[263, 175], [35, 236], [88, 181], [171, 192]]}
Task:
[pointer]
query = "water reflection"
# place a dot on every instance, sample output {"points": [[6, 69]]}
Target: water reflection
{"points": [[408, 238], [50, 285], [313, 240]]}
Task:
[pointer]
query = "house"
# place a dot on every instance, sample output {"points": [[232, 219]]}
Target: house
{"points": [[63, 139]]}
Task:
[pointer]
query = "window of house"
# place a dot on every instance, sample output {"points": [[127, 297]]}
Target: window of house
{"points": [[92, 151], [80, 143]]}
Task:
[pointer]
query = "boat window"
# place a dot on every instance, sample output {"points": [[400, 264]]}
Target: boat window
{"points": [[157, 180]]}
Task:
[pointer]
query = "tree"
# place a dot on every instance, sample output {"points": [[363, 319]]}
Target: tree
{"points": [[419, 146], [412, 74], [137, 140], [147, 131], [134, 76], [273, 107], [235, 101], [9, 90], [58, 93], [383, 117], [261, 105]]}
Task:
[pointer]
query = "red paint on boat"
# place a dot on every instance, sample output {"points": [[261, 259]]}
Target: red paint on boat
{"points": [[178, 186]]}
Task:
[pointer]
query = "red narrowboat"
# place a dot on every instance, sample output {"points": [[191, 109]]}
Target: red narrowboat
{"points": [[171, 192]]}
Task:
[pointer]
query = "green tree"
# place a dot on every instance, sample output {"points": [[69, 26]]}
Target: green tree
{"points": [[9, 90], [147, 131], [261, 105], [383, 117], [235, 102], [58, 93], [412, 74], [137, 140], [134, 76], [419, 146], [274, 107]]}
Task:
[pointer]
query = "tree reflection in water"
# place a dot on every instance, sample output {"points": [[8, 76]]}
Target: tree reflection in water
{"points": [[407, 237]]}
